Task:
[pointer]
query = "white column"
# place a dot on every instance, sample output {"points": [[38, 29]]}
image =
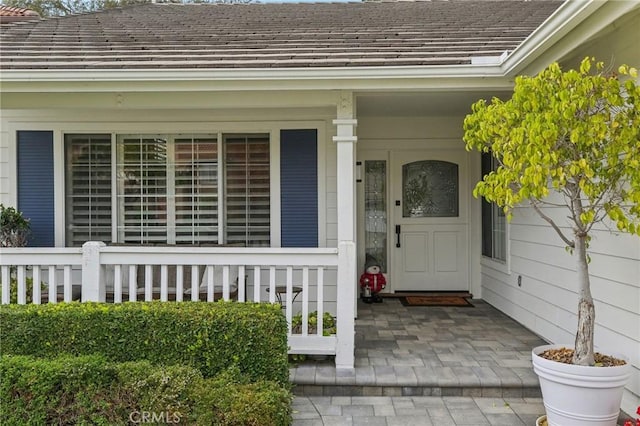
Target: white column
{"points": [[93, 289], [346, 193]]}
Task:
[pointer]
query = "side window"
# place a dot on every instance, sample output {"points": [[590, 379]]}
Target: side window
{"points": [[494, 223]]}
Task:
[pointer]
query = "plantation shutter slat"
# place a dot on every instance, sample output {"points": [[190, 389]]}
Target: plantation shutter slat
{"points": [[142, 189], [196, 190], [299, 188], [247, 190], [87, 188]]}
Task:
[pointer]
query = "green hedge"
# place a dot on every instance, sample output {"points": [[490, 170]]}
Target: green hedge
{"points": [[211, 337], [90, 391]]}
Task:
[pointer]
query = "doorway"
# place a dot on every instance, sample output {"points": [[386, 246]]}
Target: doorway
{"points": [[429, 221]]}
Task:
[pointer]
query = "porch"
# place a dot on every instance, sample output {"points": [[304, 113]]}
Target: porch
{"points": [[426, 366], [429, 351]]}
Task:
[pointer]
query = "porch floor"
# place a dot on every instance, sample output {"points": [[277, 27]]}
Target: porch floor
{"points": [[425, 366], [429, 351]]}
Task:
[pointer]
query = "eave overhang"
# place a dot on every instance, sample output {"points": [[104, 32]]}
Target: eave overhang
{"points": [[549, 42]]}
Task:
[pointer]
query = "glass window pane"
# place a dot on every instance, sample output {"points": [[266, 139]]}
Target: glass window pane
{"points": [[247, 190], [430, 189], [375, 211], [494, 224], [196, 189], [87, 188], [142, 188]]}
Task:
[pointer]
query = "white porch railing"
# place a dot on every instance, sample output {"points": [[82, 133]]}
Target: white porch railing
{"points": [[114, 274]]}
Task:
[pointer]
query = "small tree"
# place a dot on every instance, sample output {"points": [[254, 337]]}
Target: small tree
{"points": [[576, 133]]}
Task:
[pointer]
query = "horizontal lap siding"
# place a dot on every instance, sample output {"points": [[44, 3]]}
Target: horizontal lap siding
{"points": [[546, 302]]}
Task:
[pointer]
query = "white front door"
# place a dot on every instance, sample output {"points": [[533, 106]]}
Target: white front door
{"points": [[429, 208]]}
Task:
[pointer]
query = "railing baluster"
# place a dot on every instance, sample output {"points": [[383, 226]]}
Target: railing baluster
{"points": [[210, 282], [305, 300], [179, 283], [256, 283], [37, 293], [133, 283], [22, 286], [195, 291], [320, 302], [53, 285], [225, 282], [6, 285], [242, 297], [289, 305], [272, 284], [117, 283], [164, 283], [67, 284], [148, 283]]}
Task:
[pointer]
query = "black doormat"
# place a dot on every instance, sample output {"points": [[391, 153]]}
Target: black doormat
{"points": [[436, 301]]}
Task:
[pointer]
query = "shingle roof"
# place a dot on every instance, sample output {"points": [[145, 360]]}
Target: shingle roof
{"points": [[13, 14], [275, 35]]}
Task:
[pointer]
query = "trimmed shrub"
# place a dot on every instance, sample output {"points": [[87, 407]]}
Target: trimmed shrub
{"points": [[90, 391], [211, 337]]}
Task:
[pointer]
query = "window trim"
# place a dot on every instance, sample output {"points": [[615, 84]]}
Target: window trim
{"points": [[116, 228], [500, 265], [272, 128]]}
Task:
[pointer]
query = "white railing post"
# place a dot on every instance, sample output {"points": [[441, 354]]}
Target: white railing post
{"points": [[345, 324], [345, 140], [93, 288]]}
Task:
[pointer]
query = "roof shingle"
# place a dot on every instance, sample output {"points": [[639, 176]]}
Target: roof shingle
{"points": [[172, 36]]}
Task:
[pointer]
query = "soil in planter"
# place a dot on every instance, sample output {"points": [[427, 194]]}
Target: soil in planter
{"points": [[565, 355]]}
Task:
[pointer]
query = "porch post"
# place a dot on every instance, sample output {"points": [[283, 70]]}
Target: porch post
{"points": [[345, 140], [93, 289]]}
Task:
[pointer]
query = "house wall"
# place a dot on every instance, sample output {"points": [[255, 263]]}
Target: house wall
{"points": [[379, 136], [539, 287], [144, 119], [169, 121]]}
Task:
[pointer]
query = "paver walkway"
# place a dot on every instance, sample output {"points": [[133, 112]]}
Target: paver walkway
{"points": [[425, 366], [415, 411], [429, 351]]}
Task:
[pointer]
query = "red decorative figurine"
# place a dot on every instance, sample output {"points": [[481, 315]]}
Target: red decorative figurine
{"points": [[372, 281]]}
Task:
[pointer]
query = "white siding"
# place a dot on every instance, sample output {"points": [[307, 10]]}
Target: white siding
{"points": [[170, 121], [547, 300], [7, 169]]}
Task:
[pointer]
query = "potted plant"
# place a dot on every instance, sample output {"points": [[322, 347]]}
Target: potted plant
{"points": [[574, 133]]}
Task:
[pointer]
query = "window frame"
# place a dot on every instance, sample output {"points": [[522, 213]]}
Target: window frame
{"points": [[502, 265], [274, 169]]}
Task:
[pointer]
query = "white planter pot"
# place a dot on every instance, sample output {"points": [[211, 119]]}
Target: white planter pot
{"points": [[576, 395]]}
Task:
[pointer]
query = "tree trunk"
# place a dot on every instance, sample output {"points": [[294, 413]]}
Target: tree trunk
{"points": [[583, 354]]}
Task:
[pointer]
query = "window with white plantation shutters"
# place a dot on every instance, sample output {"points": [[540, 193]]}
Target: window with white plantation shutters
{"points": [[87, 188], [142, 189], [196, 190], [168, 189], [247, 194]]}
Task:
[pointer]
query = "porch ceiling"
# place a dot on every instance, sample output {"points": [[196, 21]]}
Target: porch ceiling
{"points": [[422, 104]]}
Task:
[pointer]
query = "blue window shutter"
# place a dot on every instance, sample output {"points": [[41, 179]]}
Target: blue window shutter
{"points": [[299, 188], [35, 185]]}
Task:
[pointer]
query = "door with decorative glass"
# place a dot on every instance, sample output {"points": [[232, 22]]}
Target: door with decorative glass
{"points": [[430, 221]]}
